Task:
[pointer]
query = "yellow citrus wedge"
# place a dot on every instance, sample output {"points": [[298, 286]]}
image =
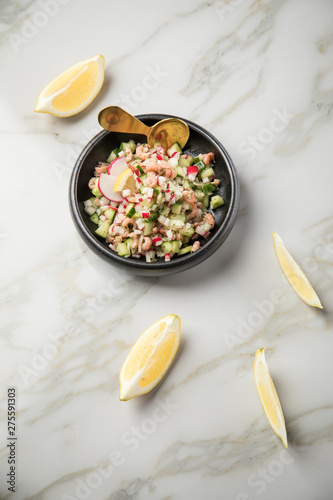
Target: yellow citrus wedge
{"points": [[294, 274], [126, 180], [268, 396], [150, 358], [72, 91]]}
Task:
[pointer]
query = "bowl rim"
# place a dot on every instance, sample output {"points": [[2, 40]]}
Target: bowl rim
{"points": [[183, 262]]}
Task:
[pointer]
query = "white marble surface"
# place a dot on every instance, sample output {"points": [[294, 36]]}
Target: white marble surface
{"points": [[68, 319]]}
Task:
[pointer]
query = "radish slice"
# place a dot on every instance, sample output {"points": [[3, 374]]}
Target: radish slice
{"points": [[193, 169], [105, 185], [117, 167]]}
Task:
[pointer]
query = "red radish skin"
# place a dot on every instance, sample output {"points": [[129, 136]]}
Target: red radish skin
{"points": [[106, 183], [192, 170]]}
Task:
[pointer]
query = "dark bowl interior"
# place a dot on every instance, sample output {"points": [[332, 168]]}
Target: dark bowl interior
{"points": [[200, 141]]}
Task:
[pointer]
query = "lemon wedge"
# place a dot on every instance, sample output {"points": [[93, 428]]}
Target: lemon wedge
{"points": [[72, 91], [294, 274], [268, 396], [150, 358], [125, 180]]}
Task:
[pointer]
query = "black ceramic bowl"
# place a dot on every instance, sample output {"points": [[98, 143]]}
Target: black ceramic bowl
{"points": [[200, 141]]}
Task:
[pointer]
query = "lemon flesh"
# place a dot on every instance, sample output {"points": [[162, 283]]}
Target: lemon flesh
{"points": [[268, 396], [294, 274], [150, 358], [125, 180], [74, 89]]}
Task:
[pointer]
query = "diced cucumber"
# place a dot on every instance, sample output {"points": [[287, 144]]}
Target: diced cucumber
{"points": [[175, 246], [208, 188], [187, 231], [199, 194], [196, 160], [130, 210], [205, 201], [176, 208], [103, 229], [111, 157], [136, 164], [96, 192], [187, 184], [167, 246], [153, 217], [157, 190], [130, 145], [110, 213], [184, 162], [147, 203], [148, 228], [143, 176], [206, 173], [129, 242], [184, 250], [123, 250], [179, 171], [201, 166], [165, 211], [186, 239], [94, 218], [180, 217], [188, 157], [215, 202], [175, 148]]}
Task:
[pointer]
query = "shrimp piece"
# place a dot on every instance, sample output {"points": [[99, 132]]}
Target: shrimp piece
{"points": [[209, 219], [101, 168], [195, 246], [163, 230], [179, 237], [153, 168], [147, 243], [127, 221], [119, 230], [131, 199], [168, 170], [129, 155], [97, 203], [91, 183], [194, 212], [155, 230], [189, 196], [140, 154], [170, 173], [208, 158], [151, 180], [216, 182]]}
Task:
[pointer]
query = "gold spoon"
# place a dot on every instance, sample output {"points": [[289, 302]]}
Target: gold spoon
{"points": [[167, 131]]}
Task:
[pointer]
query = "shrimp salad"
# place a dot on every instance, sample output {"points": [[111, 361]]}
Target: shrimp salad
{"points": [[168, 212]]}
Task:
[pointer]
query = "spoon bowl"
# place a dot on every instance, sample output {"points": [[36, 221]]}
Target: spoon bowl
{"points": [[166, 132]]}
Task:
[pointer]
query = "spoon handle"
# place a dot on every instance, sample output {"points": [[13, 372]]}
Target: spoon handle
{"points": [[116, 119]]}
